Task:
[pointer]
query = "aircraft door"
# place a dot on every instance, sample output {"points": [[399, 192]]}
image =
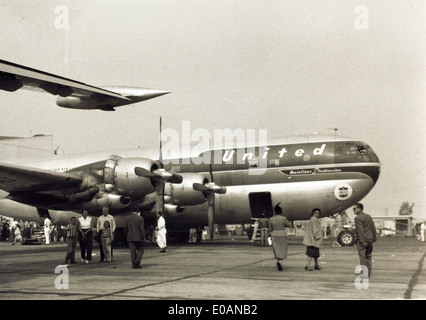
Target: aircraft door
{"points": [[260, 202]]}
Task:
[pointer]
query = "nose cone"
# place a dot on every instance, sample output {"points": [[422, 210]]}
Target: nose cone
{"points": [[145, 94], [138, 94]]}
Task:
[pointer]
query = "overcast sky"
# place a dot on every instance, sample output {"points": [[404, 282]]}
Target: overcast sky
{"points": [[291, 67]]}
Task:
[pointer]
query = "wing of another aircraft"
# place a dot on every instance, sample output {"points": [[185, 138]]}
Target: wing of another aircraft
{"points": [[15, 178], [72, 94]]}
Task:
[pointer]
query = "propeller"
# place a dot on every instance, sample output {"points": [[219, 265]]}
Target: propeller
{"points": [[159, 177], [210, 189]]}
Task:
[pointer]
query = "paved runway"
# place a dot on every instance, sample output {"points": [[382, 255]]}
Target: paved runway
{"points": [[220, 269]]}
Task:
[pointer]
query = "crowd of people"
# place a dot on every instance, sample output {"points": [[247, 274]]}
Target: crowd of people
{"points": [[84, 231], [16, 231], [274, 230]]}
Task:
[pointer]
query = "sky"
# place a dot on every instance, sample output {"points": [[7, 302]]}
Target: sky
{"points": [[291, 67]]}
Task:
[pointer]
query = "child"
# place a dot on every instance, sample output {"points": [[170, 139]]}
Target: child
{"points": [[71, 230], [18, 236], [106, 238]]}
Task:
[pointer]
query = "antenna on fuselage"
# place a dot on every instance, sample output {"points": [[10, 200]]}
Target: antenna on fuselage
{"points": [[335, 131]]}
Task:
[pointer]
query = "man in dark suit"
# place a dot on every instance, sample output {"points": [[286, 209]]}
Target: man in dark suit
{"points": [[365, 234], [135, 232]]}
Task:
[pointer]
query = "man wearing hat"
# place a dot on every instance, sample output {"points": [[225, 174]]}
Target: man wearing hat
{"points": [[134, 230]]}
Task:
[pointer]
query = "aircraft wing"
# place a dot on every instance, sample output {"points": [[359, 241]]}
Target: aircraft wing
{"points": [[14, 76], [16, 178], [72, 94]]}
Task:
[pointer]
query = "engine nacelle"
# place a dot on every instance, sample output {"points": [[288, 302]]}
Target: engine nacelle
{"points": [[173, 210], [77, 103], [183, 194], [107, 199], [120, 172]]}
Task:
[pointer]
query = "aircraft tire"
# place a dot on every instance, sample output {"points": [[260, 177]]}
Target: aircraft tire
{"points": [[178, 236], [346, 238]]}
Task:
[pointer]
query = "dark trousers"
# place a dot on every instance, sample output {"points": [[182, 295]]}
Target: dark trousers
{"points": [[86, 244], [101, 247], [4, 234], [71, 242], [365, 255], [136, 252]]}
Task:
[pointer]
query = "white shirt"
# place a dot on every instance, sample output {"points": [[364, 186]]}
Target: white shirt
{"points": [[85, 223], [47, 223], [161, 224], [101, 221]]}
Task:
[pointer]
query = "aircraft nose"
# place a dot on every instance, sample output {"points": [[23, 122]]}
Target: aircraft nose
{"points": [[377, 173], [141, 94]]}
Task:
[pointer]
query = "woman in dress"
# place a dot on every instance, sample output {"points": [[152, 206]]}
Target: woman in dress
{"points": [[277, 227]]}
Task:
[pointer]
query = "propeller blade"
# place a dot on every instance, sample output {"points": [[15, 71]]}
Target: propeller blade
{"points": [[211, 163], [159, 175], [211, 172], [211, 215], [221, 190], [142, 172], [161, 148], [162, 200], [199, 187], [162, 184], [159, 201], [176, 178]]}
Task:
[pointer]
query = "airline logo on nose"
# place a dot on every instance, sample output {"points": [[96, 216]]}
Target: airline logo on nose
{"points": [[343, 192]]}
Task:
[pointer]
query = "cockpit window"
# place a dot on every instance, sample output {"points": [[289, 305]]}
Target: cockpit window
{"points": [[361, 150], [354, 151]]}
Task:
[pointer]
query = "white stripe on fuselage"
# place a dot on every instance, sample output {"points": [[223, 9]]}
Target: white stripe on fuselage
{"points": [[61, 163]]}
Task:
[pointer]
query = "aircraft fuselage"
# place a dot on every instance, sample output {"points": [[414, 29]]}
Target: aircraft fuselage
{"points": [[330, 174]]}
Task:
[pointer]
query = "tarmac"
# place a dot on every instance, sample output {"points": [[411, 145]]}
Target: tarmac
{"points": [[229, 268]]}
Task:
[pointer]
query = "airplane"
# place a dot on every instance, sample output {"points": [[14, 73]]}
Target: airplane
{"points": [[300, 173], [71, 94], [333, 174]]}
